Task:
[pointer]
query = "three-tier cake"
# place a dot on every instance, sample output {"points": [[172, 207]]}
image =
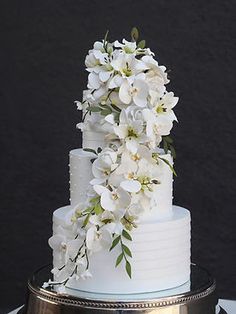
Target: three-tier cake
{"points": [[121, 234]]}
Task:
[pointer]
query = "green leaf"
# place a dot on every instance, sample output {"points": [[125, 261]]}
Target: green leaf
{"points": [[86, 220], [168, 139], [98, 209], [105, 107], [105, 112], [173, 152], [95, 199], [126, 250], [126, 235], [165, 146], [169, 164], [119, 259], [88, 210], [128, 268], [90, 150], [142, 44], [117, 117], [134, 34], [116, 108], [94, 109], [115, 242]]}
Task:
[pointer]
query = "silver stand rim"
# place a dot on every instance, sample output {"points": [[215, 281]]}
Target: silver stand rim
{"points": [[197, 296]]}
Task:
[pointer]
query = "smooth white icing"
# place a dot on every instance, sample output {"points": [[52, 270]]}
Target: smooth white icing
{"points": [[93, 139], [161, 257]]}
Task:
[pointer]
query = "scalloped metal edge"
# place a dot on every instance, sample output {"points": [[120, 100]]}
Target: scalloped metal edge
{"points": [[149, 304]]}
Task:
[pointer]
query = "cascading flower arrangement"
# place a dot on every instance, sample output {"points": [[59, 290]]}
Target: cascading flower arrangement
{"points": [[127, 100]]}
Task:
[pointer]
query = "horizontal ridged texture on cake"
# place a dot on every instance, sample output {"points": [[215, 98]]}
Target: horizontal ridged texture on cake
{"points": [[161, 257]]}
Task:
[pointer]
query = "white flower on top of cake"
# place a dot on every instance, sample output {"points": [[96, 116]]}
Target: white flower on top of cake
{"points": [[127, 46], [136, 172], [164, 106], [113, 199], [99, 88], [130, 131], [64, 246], [156, 76], [98, 239], [159, 119], [135, 92], [97, 57], [156, 127], [104, 165], [126, 65]]}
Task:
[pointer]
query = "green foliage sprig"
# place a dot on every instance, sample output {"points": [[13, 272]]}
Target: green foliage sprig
{"points": [[135, 36], [125, 251], [167, 142]]}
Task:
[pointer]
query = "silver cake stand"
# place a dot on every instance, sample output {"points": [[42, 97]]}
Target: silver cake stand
{"points": [[195, 297]]}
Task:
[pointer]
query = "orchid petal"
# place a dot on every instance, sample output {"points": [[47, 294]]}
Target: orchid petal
{"points": [[132, 186]]}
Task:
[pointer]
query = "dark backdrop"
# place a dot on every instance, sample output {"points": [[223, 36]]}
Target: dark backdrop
{"points": [[43, 46]]}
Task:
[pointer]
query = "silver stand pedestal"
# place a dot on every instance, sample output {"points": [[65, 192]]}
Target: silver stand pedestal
{"points": [[195, 297]]}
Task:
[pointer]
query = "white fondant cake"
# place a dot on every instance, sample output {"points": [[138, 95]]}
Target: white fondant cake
{"points": [[121, 183]]}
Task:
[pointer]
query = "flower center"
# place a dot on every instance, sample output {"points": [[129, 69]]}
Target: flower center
{"points": [[160, 108], [130, 175], [133, 91], [135, 157], [132, 133], [127, 71], [63, 246], [146, 183], [106, 172], [115, 196]]}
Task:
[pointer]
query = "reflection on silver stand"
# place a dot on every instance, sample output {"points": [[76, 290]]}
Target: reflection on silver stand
{"points": [[195, 297]]}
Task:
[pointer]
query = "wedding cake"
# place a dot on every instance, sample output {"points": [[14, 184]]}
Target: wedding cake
{"points": [[121, 234]]}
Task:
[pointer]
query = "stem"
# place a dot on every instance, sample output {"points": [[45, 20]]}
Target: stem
{"points": [[121, 242]]}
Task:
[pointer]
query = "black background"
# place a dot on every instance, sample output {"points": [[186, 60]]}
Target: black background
{"points": [[43, 46]]}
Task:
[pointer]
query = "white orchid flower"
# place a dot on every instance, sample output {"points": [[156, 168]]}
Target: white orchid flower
{"points": [[131, 131], [154, 69], [97, 57], [163, 106], [114, 225], [64, 247], [156, 77], [126, 46], [127, 65], [112, 200], [93, 81], [136, 92], [156, 127], [96, 239], [104, 165]]}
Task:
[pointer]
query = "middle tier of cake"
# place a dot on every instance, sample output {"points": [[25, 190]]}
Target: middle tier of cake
{"points": [[81, 174]]}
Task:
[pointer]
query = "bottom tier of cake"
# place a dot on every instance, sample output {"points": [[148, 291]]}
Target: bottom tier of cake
{"points": [[161, 257]]}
